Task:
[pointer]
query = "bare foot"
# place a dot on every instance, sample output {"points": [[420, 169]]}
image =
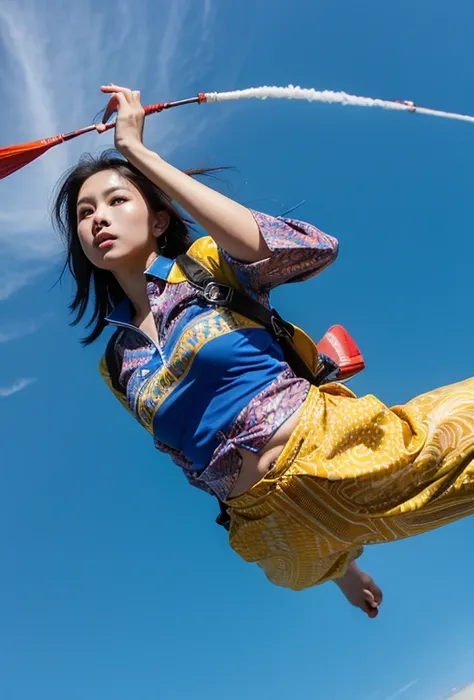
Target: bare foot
{"points": [[360, 590]]}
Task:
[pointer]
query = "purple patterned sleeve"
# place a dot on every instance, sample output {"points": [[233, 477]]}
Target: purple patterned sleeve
{"points": [[299, 251]]}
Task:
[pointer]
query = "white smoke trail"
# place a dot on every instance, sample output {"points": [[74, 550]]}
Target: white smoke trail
{"points": [[297, 93]]}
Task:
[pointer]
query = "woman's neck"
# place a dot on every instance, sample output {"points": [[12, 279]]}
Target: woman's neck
{"points": [[133, 283]]}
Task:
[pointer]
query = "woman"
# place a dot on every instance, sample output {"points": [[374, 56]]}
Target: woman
{"points": [[310, 475]]}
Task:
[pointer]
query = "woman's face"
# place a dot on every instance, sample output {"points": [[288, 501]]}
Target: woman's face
{"points": [[116, 227]]}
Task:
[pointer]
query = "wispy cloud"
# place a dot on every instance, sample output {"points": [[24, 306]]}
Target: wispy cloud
{"points": [[467, 693], [169, 43], [52, 84], [32, 112], [14, 388], [402, 690], [11, 283], [27, 48], [14, 280], [20, 330]]}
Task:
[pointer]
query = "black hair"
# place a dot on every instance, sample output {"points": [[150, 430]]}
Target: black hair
{"points": [[107, 291]]}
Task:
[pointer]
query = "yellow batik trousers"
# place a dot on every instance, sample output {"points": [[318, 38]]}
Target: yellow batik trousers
{"points": [[354, 473]]}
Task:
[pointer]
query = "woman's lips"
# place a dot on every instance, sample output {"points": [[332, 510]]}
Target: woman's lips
{"points": [[107, 243]]}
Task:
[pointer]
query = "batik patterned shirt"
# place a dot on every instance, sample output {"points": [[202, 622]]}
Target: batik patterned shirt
{"points": [[216, 382]]}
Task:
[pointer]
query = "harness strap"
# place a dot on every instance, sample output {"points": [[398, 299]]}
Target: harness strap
{"points": [[111, 361], [220, 294]]}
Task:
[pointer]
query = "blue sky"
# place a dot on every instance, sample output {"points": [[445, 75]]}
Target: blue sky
{"points": [[115, 581]]}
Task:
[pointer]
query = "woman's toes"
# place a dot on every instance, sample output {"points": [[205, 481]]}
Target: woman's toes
{"points": [[371, 604]]}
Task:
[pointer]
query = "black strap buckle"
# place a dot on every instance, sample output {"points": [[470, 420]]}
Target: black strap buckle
{"points": [[223, 519], [280, 327], [328, 371], [217, 293]]}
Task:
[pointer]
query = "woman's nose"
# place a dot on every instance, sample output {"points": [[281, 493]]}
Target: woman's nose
{"points": [[101, 218]]}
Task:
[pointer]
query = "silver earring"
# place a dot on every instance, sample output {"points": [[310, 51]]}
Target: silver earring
{"points": [[163, 241]]}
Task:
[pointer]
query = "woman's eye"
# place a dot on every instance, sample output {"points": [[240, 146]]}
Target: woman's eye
{"points": [[86, 212]]}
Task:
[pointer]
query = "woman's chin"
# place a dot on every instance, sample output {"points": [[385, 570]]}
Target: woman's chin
{"points": [[110, 259], [116, 261]]}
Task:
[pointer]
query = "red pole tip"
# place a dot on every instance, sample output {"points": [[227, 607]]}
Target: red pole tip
{"points": [[202, 98], [153, 109]]}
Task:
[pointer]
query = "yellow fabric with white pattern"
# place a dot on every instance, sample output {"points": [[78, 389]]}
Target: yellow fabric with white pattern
{"points": [[353, 473]]}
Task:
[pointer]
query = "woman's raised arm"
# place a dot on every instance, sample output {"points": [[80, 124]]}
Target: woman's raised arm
{"points": [[229, 223]]}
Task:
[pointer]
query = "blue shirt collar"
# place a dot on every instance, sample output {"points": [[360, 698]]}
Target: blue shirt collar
{"points": [[160, 267], [122, 313]]}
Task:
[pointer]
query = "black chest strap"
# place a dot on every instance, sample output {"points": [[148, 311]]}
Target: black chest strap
{"points": [[220, 294]]}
